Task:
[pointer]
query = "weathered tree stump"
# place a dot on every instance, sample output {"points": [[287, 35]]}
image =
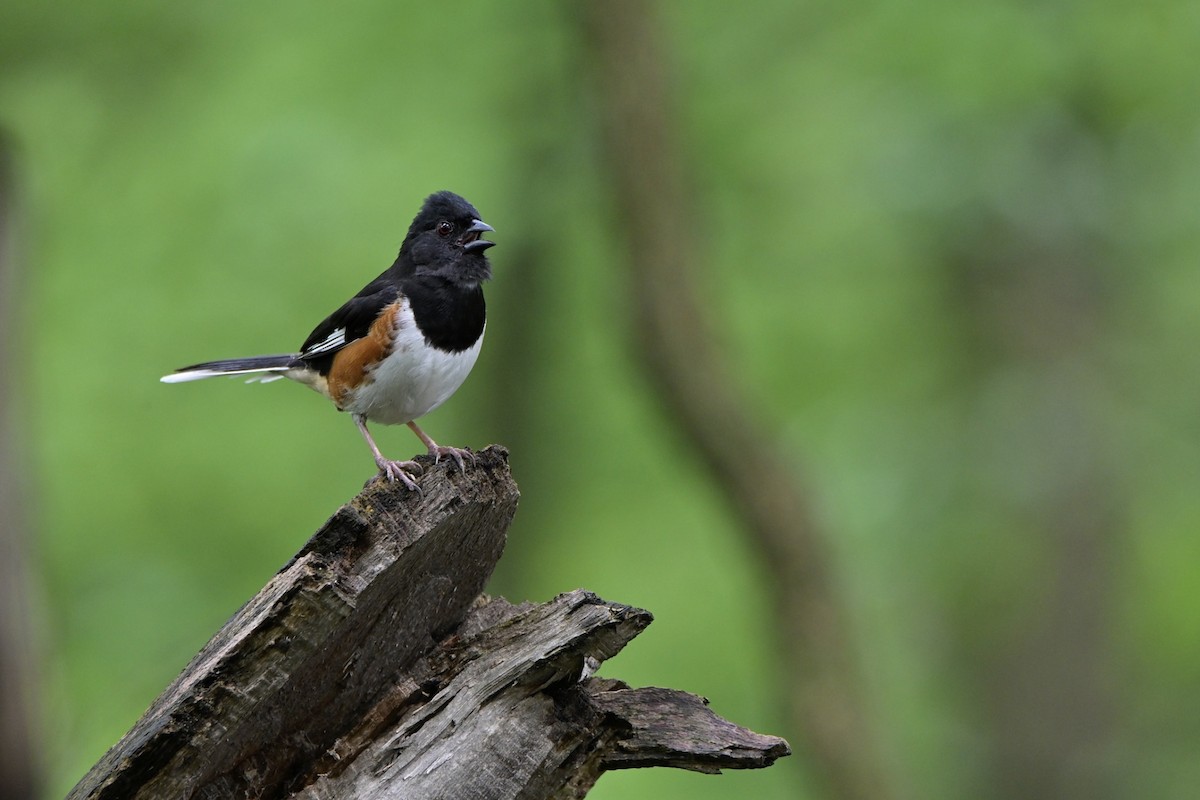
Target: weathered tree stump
{"points": [[371, 666]]}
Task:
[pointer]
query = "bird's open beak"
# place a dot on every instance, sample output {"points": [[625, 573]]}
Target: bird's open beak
{"points": [[471, 241]]}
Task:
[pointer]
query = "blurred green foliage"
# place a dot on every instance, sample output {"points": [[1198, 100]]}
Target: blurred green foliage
{"points": [[210, 179]]}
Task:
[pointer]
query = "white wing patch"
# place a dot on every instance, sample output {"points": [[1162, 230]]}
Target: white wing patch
{"points": [[333, 341]]}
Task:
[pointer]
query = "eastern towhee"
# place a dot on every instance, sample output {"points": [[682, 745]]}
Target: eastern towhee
{"points": [[399, 348]]}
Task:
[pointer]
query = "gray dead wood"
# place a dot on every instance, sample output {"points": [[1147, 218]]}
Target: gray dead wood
{"points": [[371, 666]]}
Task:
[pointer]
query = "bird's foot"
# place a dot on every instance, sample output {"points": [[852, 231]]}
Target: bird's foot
{"points": [[458, 454], [402, 471]]}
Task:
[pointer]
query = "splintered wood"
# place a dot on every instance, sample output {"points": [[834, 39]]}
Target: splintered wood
{"points": [[371, 666]]}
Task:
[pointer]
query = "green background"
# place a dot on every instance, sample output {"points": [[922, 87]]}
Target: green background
{"points": [[887, 194]]}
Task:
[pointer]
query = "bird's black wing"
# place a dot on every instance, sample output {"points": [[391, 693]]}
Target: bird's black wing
{"points": [[350, 322]]}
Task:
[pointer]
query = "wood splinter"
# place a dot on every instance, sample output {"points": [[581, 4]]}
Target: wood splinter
{"points": [[371, 666]]}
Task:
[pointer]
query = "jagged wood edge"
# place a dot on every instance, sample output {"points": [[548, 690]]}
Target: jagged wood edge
{"points": [[402, 709], [506, 713], [258, 699]]}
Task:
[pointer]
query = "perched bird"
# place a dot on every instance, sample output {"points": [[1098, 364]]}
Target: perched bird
{"points": [[400, 347]]}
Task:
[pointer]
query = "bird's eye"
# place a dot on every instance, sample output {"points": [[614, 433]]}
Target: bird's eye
{"points": [[444, 228]]}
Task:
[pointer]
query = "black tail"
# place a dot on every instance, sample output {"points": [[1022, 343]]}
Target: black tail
{"points": [[232, 366]]}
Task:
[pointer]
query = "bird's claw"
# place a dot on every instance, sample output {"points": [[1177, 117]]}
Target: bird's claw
{"points": [[458, 454], [401, 471]]}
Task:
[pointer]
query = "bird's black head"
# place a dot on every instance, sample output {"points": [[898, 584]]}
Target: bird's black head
{"points": [[445, 240]]}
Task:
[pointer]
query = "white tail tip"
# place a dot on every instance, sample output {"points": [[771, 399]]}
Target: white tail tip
{"points": [[184, 377], [268, 375]]}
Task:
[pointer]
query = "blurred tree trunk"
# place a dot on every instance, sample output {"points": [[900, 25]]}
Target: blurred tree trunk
{"points": [[520, 357], [1036, 311], [657, 224], [19, 777]]}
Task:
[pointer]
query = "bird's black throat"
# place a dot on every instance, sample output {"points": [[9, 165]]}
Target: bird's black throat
{"points": [[450, 315]]}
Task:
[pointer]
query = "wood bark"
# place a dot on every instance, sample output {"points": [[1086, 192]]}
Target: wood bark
{"points": [[371, 666]]}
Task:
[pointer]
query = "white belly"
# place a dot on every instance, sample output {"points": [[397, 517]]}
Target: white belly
{"points": [[414, 380]]}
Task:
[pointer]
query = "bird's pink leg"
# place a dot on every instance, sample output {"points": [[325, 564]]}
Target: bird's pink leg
{"points": [[402, 471], [437, 451]]}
